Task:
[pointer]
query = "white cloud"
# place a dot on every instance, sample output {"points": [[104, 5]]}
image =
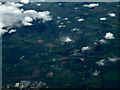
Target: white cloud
{"points": [[59, 4], [38, 4], [109, 36], [95, 43], [25, 1], [65, 19], [80, 20], [112, 14], [45, 16], [101, 62], [18, 5], [82, 59], [103, 19], [61, 26], [86, 48], [102, 41], [68, 21], [31, 13], [27, 24], [96, 73], [75, 29], [113, 59], [91, 5], [67, 39], [12, 31], [14, 4], [76, 8], [39, 15], [2, 31], [58, 17], [12, 15], [27, 21]]}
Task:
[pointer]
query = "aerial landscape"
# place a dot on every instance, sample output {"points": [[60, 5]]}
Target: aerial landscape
{"points": [[60, 44]]}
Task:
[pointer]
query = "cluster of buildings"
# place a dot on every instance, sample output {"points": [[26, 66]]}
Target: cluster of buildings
{"points": [[24, 84]]}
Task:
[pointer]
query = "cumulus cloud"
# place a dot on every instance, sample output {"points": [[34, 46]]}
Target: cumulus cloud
{"points": [[101, 62], [62, 25], [112, 14], [109, 35], [102, 41], [14, 4], [12, 31], [38, 4], [3, 31], [67, 39], [31, 13], [18, 5], [86, 48], [58, 17], [113, 59], [91, 5], [45, 16], [80, 20], [103, 19], [96, 73], [75, 29], [25, 1], [27, 21], [59, 4], [65, 19], [27, 24], [13, 15]]}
